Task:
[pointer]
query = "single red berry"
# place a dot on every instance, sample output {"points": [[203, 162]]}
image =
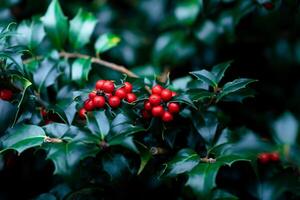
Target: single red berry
{"points": [[99, 84], [130, 97], [92, 95], [157, 89], [146, 114], [121, 93], [48, 121], [82, 113], [108, 87], [6, 94], [274, 156], [173, 107], [147, 105], [89, 105], [174, 94], [128, 87], [167, 116], [114, 101], [263, 158], [166, 94], [157, 111], [268, 5], [99, 101], [108, 95], [43, 112], [154, 99]]}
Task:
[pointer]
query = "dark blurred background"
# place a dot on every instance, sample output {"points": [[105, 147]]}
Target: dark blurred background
{"points": [[261, 36]]}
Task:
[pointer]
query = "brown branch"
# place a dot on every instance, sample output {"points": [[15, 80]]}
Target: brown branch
{"points": [[53, 140], [208, 160], [99, 61], [158, 151]]}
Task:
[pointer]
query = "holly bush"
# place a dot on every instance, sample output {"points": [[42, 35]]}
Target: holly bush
{"points": [[87, 127]]}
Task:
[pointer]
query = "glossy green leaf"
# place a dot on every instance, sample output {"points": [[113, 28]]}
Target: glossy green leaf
{"points": [[23, 137], [185, 99], [145, 156], [220, 69], [206, 77], [81, 29], [207, 32], [55, 24], [80, 70], [99, 124], [184, 161], [30, 33], [286, 129], [187, 11], [8, 113], [199, 94], [106, 42]]}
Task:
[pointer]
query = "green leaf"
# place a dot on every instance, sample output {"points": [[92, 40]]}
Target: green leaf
{"points": [[55, 24], [201, 179], [234, 86], [199, 94], [220, 69], [81, 29], [80, 70], [98, 124], [23, 137], [187, 11], [30, 33], [286, 129], [145, 156], [206, 77], [106, 42], [184, 161], [181, 83], [185, 99], [8, 113], [207, 32]]}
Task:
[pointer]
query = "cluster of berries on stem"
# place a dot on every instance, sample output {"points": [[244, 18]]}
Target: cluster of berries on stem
{"points": [[265, 158], [106, 92], [159, 105], [6, 94]]}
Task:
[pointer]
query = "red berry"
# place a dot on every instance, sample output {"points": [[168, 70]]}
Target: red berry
{"points": [[263, 158], [108, 87], [82, 113], [108, 95], [114, 101], [131, 97], [154, 99], [6, 94], [128, 87], [99, 84], [92, 95], [268, 5], [99, 101], [121, 93], [166, 94], [43, 112], [167, 116], [157, 89], [173, 107], [147, 105], [157, 111], [89, 105], [174, 94], [274, 156], [146, 114]]}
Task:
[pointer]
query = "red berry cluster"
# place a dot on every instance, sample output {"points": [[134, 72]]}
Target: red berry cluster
{"points": [[158, 104], [105, 91], [6, 94], [268, 5], [265, 158]]}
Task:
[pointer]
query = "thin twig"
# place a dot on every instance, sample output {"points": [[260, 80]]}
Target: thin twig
{"points": [[53, 140]]}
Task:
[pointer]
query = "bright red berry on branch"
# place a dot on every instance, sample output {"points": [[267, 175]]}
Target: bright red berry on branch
{"points": [[146, 114], [166, 94], [108, 87], [154, 99], [157, 89], [6, 94], [274, 156], [82, 113], [92, 95], [263, 158], [147, 105], [173, 107], [157, 111], [114, 101], [167, 116], [43, 112], [130, 97], [121, 93], [99, 101], [108, 95], [99, 84], [128, 87], [89, 105]]}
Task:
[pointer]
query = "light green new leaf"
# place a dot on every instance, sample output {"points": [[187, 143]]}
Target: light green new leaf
{"points": [[80, 70], [55, 24], [206, 77], [22, 137], [81, 29], [106, 42]]}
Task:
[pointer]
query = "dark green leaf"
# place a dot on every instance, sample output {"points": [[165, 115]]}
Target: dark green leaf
{"points": [[185, 99], [187, 11], [206, 77], [106, 42], [220, 69], [80, 70], [98, 124], [286, 129], [81, 29], [199, 94], [8, 113]]}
